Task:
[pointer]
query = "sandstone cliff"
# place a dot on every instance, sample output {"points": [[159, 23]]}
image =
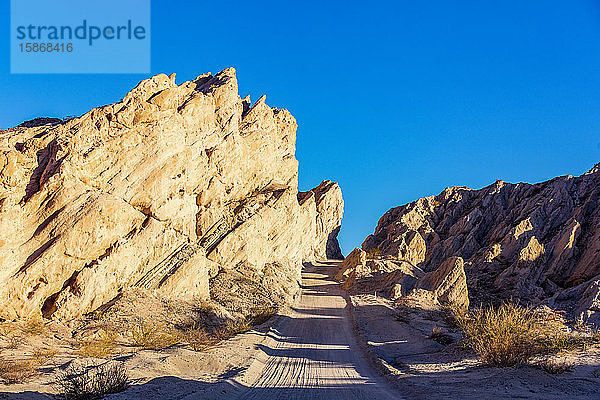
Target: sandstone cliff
{"points": [[186, 189], [539, 243]]}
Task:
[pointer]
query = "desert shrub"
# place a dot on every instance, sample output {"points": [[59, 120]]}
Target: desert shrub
{"points": [[233, 328], [16, 371], [555, 366], [261, 315], [102, 347], [374, 253], [12, 336], [90, 383], [151, 335], [239, 326], [510, 334], [440, 336], [197, 338]]}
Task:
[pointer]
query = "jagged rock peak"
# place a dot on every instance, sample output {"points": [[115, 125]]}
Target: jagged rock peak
{"points": [[180, 189]]}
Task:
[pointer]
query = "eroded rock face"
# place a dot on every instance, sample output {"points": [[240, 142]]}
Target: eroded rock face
{"points": [[447, 285], [171, 189], [535, 242]]}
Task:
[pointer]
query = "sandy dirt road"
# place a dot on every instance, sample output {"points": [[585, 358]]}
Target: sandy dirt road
{"points": [[311, 353]]}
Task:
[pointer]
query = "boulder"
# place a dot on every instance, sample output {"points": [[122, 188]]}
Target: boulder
{"points": [[446, 285]]}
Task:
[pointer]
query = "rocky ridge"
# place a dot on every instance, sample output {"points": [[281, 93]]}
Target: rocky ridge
{"points": [[187, 190], [536, 242]]}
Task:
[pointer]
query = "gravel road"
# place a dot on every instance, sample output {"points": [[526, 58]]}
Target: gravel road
{"points": [[311, 352]]}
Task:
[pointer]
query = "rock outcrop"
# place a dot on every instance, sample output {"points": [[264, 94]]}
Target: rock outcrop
{"points": [[184, 189], [446, 285], [399, 279], [537, 242]]}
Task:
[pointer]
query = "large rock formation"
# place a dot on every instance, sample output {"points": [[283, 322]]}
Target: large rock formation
{"points": [[400, 279], [185, 189], [536, 242]]}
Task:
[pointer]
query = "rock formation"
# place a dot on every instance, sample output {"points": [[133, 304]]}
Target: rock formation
{"points": [[446, 286], [183, 189], [539, 243]]}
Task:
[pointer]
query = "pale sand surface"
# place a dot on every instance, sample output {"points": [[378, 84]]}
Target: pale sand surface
{"points": [[309, 352], [322, 348], [425, 369]]}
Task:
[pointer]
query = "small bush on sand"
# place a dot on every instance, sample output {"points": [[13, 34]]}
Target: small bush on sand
{"points": [[440, 336], [11, 336], [556, 366], [239, 326], [16, 371], [197, 338], [151, 335], [510, 334], [233, 328], [261, 315], [43, 356], [91, 383], [102, 347]]}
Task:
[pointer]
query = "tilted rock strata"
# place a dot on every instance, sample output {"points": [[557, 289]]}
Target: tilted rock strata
{"points": [[446, 286], [166, 190], [537, 242]]}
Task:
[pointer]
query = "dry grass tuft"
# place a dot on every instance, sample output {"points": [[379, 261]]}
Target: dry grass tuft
{"points": [[153, 336], [102, 347], [90, 383], [233, 328], [17, 371], [440, 336], [511, 334], [374, 253], [197, 338], [238, 326], [41, 357], [12, 336], [261, 315], [556, 366]]}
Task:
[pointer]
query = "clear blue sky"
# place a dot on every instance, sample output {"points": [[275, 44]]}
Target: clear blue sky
{"points": [[395, 100]]}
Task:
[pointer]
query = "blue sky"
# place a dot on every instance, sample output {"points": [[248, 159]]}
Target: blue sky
{"points": [[395, 100]]}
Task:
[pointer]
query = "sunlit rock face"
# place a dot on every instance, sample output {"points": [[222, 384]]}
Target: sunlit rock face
{"points": [[538, 243], [172, 189]]}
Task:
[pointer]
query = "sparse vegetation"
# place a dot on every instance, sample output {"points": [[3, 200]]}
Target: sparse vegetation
{"points": [[16, 371], [197, 338], [233, 328], [239, 326], [43, 356], [512, 334], [556, 366], [12, 336], [440, 336], [151, 335], [102, 347], [374, 253], [262, 315], [91, 382], [34, 327]]}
